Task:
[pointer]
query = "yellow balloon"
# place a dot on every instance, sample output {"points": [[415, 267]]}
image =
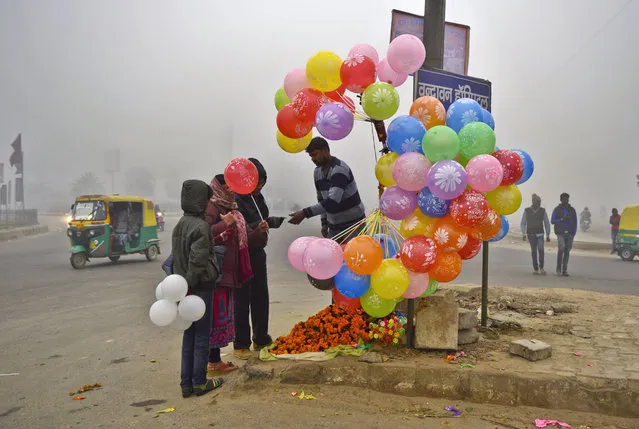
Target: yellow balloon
{"points": [[322, 71], [293, 145], [384, 169], [505, 200], [417, 224], [390, 280]]}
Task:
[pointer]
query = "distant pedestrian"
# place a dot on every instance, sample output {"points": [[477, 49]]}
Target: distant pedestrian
{"points": [[533, 224], [615, 219], [564, 218]]}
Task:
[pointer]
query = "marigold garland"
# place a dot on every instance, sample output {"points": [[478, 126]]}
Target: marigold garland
{"points": [[331, 327]]}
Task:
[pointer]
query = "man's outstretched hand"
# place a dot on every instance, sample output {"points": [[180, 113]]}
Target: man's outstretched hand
{"points": [[296, 218]]}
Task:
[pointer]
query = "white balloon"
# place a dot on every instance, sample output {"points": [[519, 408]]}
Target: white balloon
{"points": [[180, 324], [174, 287], [192, 308], [158, 292], [163, 312]]}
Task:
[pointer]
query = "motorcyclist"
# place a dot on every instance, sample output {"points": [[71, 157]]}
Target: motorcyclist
{"points": [[585, 215]]}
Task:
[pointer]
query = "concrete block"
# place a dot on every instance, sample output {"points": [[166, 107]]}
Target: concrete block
{"points": [[533, 350], [467, 319], [437, 322], [463, 291], [371, 357], [467, 336]]}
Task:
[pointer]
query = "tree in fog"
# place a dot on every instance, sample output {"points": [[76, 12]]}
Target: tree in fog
{"points": [[139, 181], [87, 184]]}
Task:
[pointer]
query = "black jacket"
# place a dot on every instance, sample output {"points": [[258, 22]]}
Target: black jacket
{"points": [[193, 256]]}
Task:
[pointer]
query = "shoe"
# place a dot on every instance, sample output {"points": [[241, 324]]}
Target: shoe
{"points": [[542, 271], [559, 273], [536, 271], [187, 391], [244, 354], [210, 385], [220, 368], [565, 274], [259, 348], [613, 252]]}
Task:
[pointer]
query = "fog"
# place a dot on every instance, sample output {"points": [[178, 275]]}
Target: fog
{"points": [[181, 87]]}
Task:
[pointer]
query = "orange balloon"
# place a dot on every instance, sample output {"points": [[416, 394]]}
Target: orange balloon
{"points": [[417, 224], [449, 236], [447, 267], [429, 110], [363, 255], [489, 227]]}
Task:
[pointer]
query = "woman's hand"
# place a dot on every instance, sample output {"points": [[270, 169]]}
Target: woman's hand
{"points": [[228, 219], [263, 227]]}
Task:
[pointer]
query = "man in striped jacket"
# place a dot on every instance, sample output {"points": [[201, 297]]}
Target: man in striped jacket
{"points": [[338, 200]]}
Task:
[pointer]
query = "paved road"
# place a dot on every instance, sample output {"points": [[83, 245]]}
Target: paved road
{"points": [[62, 328]]}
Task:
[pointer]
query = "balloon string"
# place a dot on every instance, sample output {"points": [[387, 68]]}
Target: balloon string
{"points": [[356, 109], [257, 207]]}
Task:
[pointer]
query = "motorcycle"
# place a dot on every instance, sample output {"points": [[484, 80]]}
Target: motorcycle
{"points": [[584, 225], [159, 218]]}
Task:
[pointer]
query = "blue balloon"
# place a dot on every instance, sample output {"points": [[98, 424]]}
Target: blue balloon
{"points": [[351, 285], [529, 165], [431, 205], [487, 118], [463, 112], [405, 134], [503, 231], [389, 245]]}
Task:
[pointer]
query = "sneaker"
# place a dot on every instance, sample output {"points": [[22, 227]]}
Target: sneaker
{"points": [[244, 354], [559, 273], [536, 271], [220, 368], [542, 271], [187, 391], [211, 384], [565, 274], [259, 348]]}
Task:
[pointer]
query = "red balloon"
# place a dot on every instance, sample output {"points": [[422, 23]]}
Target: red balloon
{"points": [[357, 73], [307, 102], [418, 253], [469, 209], [471, 249], [339, 91], [345, 303], [291, 125], [513, 166], [344, 99], [241, 176]]}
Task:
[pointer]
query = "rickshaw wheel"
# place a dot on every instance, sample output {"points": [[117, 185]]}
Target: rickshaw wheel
{"points": [[78, 260], [152, 252], [627, 254], [114, 259]]}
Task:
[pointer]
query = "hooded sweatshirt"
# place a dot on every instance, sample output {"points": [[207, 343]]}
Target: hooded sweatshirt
{"points": [[192, 241]]}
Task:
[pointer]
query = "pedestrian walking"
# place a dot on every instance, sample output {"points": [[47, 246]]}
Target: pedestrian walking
{"points": [[564, 218], [615, 219], [534, 223]]}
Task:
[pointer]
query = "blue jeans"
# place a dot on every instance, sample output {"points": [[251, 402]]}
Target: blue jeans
{"points": [[614, 240], [537, 249], [195, 345], [564, 243]]}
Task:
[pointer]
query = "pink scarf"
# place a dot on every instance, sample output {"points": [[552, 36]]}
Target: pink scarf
{"points": [[226, 199]]}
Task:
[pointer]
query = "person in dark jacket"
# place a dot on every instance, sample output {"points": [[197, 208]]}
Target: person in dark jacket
{"points": [[533, 223], [615, 220], [564, 217], [253, 297], [193, 259]]}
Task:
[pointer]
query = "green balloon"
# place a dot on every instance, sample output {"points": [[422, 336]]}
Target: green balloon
{"points": [[380, 101], [281, 99], [475, 139], [440, 142], [376, 306], [432, 288]]}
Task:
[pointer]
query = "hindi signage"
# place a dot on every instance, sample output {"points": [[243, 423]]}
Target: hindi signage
{"points": [[448, 87]]}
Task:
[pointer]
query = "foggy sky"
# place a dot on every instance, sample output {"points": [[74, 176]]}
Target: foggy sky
{"points": [[181, 87]]}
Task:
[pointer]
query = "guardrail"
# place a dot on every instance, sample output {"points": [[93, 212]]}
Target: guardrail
{"points": [[18, 218]]}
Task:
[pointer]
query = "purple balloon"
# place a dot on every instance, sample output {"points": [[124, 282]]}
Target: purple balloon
{"points": [[334, 121], [398, 204], [447, 179]]}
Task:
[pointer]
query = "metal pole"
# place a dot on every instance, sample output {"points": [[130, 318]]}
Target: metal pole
{"points": [[484, 284]]}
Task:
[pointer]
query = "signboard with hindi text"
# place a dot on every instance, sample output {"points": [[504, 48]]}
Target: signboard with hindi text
{"points": [[456, 38], [448, 87]]}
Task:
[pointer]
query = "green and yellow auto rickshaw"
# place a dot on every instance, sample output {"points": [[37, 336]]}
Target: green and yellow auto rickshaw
{"points": [[628, 238], [109, 226]]}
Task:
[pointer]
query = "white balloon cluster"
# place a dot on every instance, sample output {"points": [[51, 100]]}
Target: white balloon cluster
{"points": [[173, 307]]}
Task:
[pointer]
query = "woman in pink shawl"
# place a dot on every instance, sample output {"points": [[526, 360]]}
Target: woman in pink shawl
{"points": [[222, 215]]}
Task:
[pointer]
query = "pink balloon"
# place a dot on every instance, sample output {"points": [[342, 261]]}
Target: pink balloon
{"points": [[397, 204], [410, 171], [485, 173], [323, 258], [296, 252], [406, 54], [417, 284], [366, 50], [385, 73], [295, 81]]}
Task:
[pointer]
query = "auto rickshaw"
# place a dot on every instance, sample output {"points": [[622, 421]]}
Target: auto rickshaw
{"points": [[109, 226], [628, 239]]}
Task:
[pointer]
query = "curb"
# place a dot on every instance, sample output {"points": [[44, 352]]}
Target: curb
{"points": [[17, 233], [615, 397], [579, 245]]}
